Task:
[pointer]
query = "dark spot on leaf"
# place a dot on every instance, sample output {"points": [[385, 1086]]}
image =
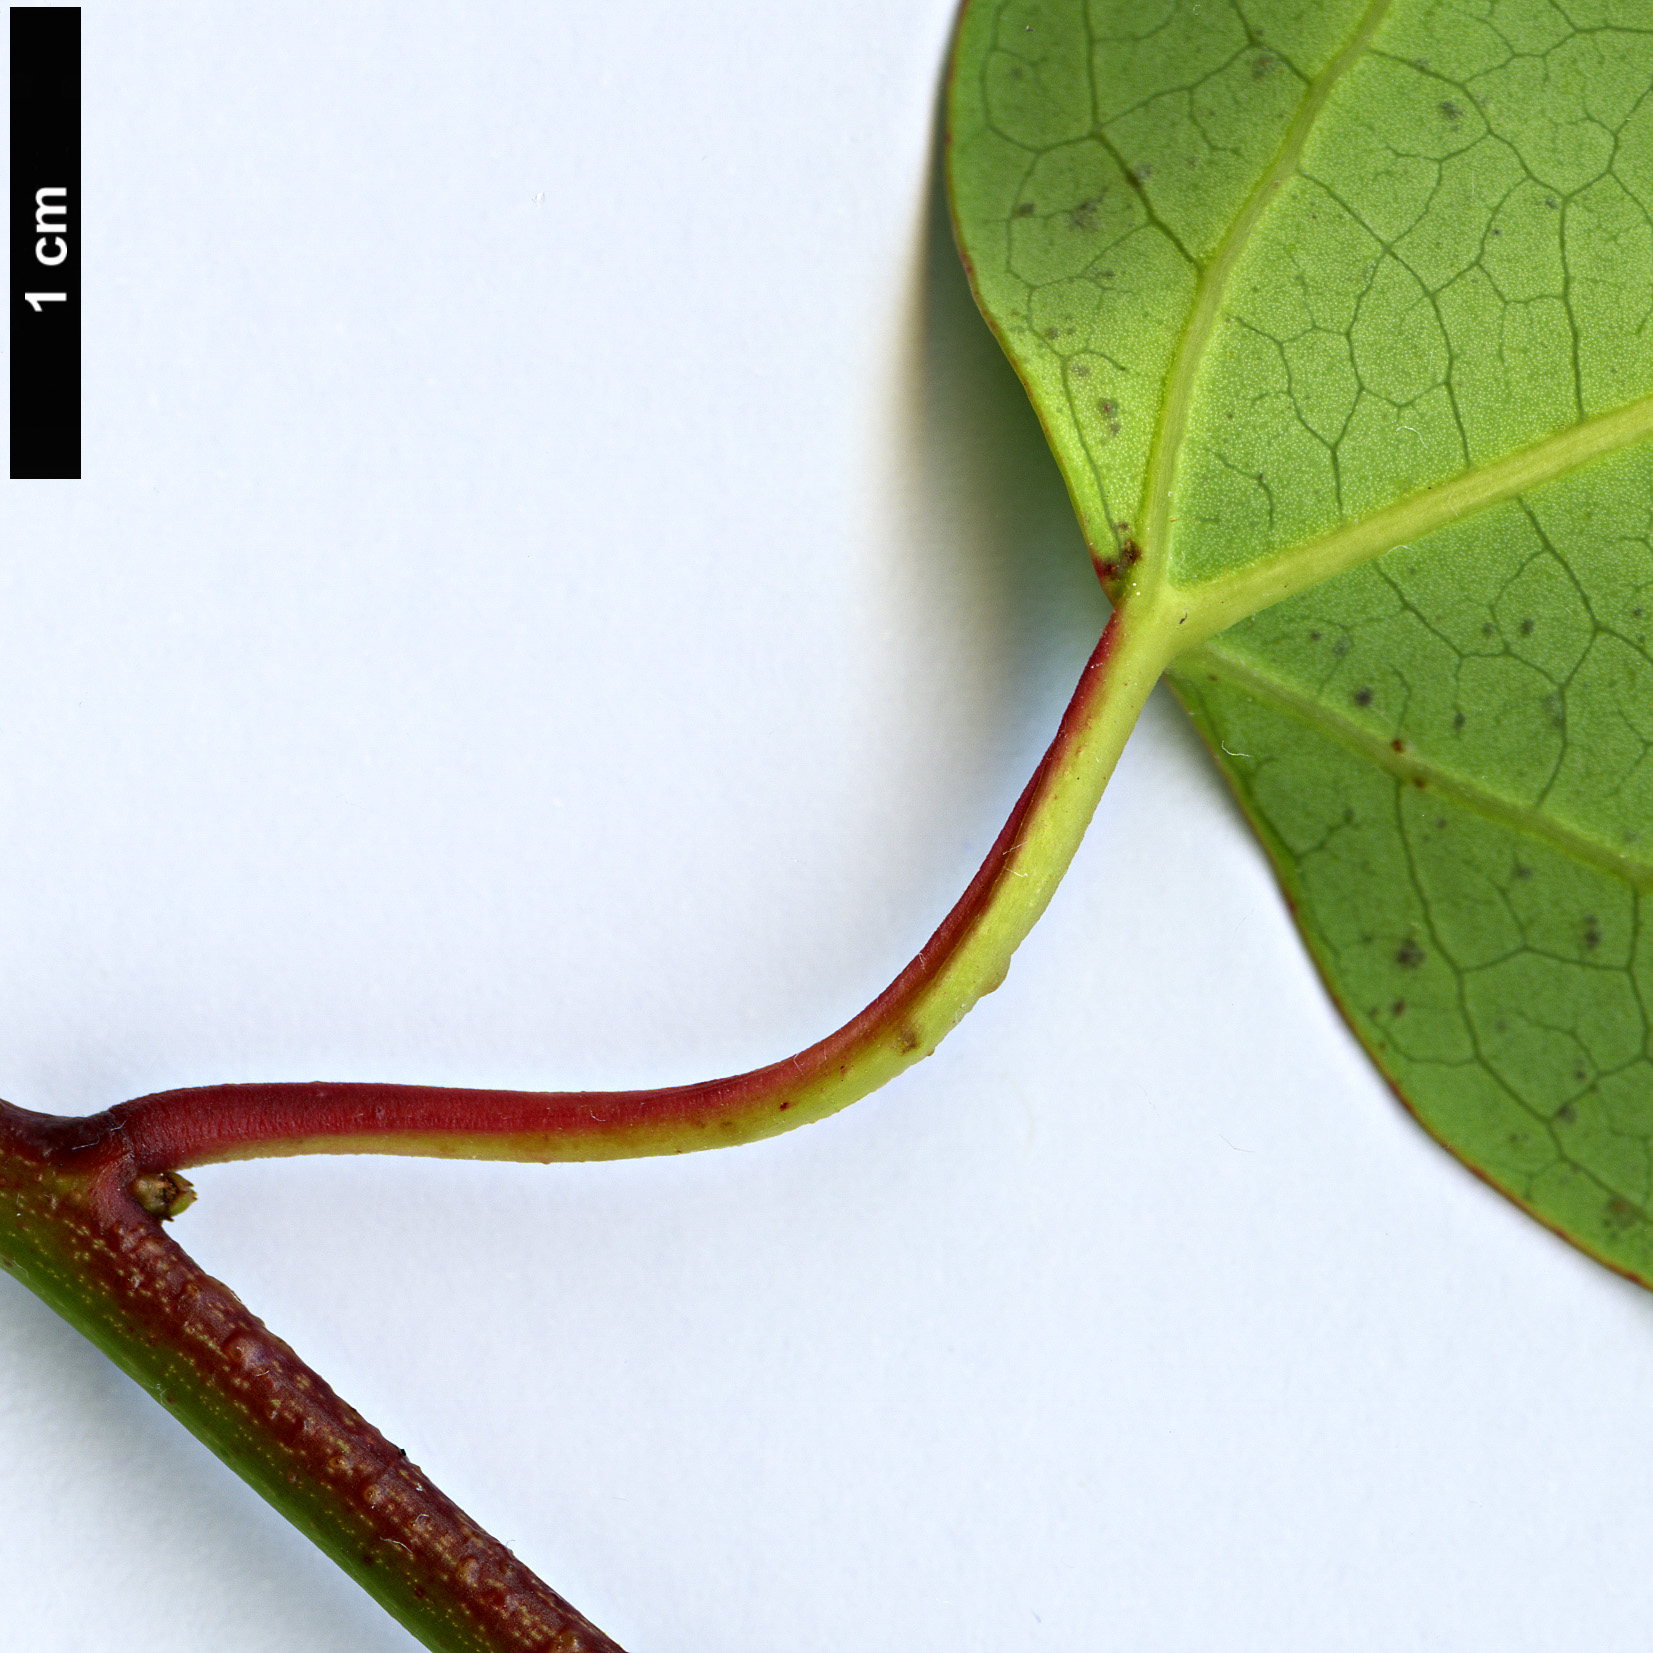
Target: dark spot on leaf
{"points": [[1053, 332], [1107, 275], [1526, 628], [1398, 1008], [1521, 872], [1410, 955], [1348, 814], [1592, 932], [1550, 201], [1440, 823], [1489, 630], [785, 1106], [1081, 370], [1397, 745], [1458, 720], [1566, 1114], [907, 1038], [1341, 647], [1620, 1214], [1025, 210], [1314, 636], [1451, 111], [1262, 67], [1362, 696], [1083, 216]]}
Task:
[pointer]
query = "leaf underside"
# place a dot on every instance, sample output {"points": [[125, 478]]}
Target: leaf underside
{"points": [[1291, 264]]}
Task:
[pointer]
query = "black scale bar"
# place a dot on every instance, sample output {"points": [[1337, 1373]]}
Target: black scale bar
{"points": [[45, 241]]}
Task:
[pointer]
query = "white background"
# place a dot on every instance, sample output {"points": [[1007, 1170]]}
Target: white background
{"points": [[564, 593]]}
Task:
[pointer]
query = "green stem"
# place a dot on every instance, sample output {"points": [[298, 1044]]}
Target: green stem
{"points": [[81, 1204], [78, 1238], [966, 957]]}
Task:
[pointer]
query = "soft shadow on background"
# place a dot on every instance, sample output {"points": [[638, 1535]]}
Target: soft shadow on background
{"points": [[993, 545], [1098, 1316], [987, 537], [984, 548], [990, 541]]}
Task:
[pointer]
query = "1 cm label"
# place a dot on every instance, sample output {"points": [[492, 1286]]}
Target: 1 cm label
{"points": [[51, 224]]}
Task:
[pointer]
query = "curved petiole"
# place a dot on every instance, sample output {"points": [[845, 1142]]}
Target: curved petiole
{"points": [[966, 957], [82, 1202]]}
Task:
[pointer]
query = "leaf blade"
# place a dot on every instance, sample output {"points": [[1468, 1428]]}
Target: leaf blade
{"points": [[1445, 754], [1401, 385]]}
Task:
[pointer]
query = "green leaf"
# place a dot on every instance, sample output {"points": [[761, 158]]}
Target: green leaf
{"points": [[1340, 319]]}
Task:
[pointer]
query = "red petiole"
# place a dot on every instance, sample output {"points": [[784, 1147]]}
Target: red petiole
{"points": [[82, 1202]]}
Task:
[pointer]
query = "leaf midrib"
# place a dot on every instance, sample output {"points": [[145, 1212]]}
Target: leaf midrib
{"points": [[1408, 766], [1177, 408]]}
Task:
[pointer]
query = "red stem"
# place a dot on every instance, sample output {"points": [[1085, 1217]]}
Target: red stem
{"points": [[72, 1225], [83, 1243]]}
